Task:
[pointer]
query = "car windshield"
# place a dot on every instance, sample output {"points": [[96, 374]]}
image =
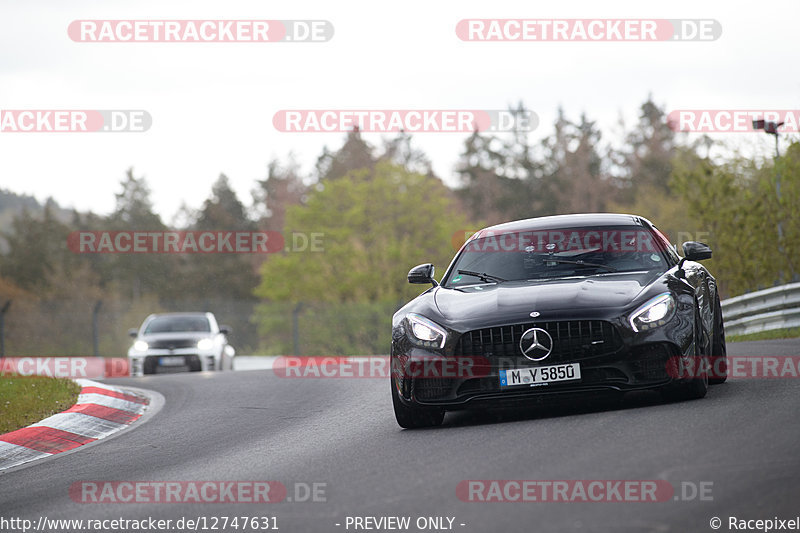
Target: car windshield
{"points": [[495, 257], [171, 324]]}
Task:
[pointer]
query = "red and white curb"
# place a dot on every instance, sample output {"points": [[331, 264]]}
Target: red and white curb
{"points": [[100, 411]]}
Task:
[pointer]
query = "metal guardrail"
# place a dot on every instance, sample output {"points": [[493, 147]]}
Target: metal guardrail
{"points": [[773, 308]]}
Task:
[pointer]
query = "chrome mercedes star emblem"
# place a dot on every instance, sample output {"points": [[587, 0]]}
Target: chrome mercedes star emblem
{"points": [[536, 344]]}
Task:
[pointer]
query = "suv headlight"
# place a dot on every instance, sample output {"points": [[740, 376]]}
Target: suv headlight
{"points": [[140, 346], [655, 312], [426, 332], [205, 344]]}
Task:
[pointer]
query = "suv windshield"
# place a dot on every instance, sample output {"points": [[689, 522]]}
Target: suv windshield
{"points": [[529, 255], [171, 324]]}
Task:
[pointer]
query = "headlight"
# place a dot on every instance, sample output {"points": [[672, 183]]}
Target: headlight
{"points": [[205, 344], [140, 346], [654, 313], [427, 332]]}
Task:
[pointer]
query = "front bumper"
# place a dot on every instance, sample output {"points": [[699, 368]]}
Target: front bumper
{"points": [[635, 362], [153, 361]]}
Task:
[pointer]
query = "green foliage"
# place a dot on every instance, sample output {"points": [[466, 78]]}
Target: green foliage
{"points": [[736, 203], [782, 333], [231, 276], [786, 173], [374, 226], [37, 246], [25, 400], [325, 328], [666, 210]]}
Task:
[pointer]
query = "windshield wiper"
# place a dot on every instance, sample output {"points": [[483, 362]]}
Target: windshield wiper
{"points": [[580, 262], [483, 276]]}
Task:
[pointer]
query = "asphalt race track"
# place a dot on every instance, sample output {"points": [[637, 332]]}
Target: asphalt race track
{"points": [[742, 442]]}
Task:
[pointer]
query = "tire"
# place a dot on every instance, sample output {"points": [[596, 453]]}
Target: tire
{"points": [[194, 364], [414, 417], [692, 388], [719, 351], [149, 365]]}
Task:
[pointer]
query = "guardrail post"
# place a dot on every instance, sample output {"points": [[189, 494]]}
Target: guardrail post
{"points": [[3, 311], [95, 312], [296, 328]]}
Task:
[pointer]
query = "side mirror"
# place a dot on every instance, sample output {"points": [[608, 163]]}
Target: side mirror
{"points": [[133, 332], [422, 274], [696, 251], [225, 330], [693, 251]]}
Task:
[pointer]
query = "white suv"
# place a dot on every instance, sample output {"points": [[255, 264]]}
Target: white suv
{"points": [[171, 342]]}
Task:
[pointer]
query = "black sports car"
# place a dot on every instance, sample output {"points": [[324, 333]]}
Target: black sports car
{"points": [[552, 306]]}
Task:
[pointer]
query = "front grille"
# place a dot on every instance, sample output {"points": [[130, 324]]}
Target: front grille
{"points": [[432, 388], [651, 362], [572, 339], [190, 362], [172, 344]]}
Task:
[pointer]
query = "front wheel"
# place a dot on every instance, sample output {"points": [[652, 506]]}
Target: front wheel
{"points": [[693, 389], [695, 386], [414, 417], [719, 352]]}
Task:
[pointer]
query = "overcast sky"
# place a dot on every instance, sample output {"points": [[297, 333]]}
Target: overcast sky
{"points": [[212, 103]]}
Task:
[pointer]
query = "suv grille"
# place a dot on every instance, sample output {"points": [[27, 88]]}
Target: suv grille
{"points": [[173, 344], [572, 339]]}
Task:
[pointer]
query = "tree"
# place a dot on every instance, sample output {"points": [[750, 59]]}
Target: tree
{"points": [[354, 154], [282, 188], [574, 173], [374, 226], [35, 247], [134, 209], [726, 201], [486, 192], [228, 276], [779, 187], [223, 209], [398, 150], [651, 147], [136, 274]]}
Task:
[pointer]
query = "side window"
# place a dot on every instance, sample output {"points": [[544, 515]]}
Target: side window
{"points": [[670, 250]]}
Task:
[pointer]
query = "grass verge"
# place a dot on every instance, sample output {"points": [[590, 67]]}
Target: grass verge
{"points": [[28, 399], [783, 333]]}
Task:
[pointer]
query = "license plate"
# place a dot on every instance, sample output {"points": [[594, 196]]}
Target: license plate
{"points": [[539, 374], [171, 361]]}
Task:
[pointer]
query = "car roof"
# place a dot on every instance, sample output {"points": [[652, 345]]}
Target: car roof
{"points": [[187, 314], [574, 220]]}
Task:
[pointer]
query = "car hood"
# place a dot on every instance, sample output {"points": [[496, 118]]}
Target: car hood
{"points": [[176, 335], [517, 300]]}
